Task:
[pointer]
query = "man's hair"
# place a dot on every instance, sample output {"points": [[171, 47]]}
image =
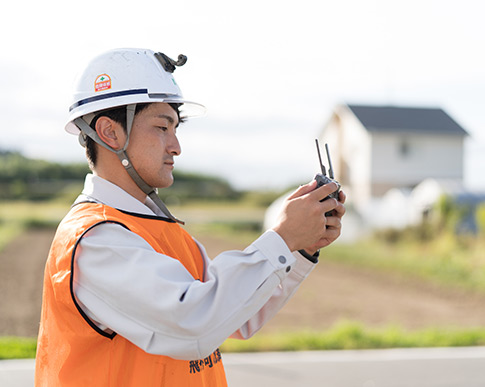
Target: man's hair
{"points": [[118, 115]]}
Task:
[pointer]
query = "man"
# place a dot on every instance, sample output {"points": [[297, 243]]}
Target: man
{"points": [[130, 298]]}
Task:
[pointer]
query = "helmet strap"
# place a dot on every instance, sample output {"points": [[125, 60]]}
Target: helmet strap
{"points": [[151, 192], [147, 189]]}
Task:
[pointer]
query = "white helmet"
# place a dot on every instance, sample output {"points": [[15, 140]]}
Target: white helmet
{"points": [[126, 76]]}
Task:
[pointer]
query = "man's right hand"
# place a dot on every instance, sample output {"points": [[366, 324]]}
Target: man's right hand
{"points": [[302, 223]]}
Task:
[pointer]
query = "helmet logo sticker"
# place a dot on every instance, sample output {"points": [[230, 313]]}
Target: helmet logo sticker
{"points": [[102, 82]]}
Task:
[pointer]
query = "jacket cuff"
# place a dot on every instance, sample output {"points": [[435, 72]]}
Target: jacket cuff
{"points": [[312, 258]]}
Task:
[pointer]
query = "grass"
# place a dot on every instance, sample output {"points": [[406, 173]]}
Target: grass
{"points": [[237, 224], [17, 216], [443, 259], [233, 221], [17, 348], [353, 335], [344, 335], [8, 232], [219, 212]]}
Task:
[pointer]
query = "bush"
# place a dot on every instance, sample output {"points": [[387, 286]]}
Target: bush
{"points": [[480, 219], [22, 178], [17, 348]]}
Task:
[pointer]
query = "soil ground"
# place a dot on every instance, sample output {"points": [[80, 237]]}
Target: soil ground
{"points": [[332, 293]]}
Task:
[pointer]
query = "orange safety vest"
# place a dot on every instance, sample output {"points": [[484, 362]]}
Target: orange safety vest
{"points": [[73, 351]]}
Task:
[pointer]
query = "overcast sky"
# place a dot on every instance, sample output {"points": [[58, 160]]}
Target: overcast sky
{"points": [[269, 72]]}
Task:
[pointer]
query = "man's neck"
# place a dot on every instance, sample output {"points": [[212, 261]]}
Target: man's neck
{"points": [[125, 182]]}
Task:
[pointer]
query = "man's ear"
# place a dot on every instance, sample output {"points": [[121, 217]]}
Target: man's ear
{"points": [[110, 132]]}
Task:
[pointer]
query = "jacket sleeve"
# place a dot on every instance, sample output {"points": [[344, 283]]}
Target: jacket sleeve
{"points": [[280, 297], [125, 286]]}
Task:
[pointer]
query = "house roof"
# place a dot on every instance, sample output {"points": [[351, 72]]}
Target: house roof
{"points": [[409, 119]]}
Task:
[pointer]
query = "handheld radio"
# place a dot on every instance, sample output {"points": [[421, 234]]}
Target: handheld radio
{"points": [[323, 179]]}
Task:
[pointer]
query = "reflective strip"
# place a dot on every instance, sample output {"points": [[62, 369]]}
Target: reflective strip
{"points": [[175, 97], [106, 96], [121, 94]]}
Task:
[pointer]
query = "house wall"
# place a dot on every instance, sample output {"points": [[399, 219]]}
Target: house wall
{"points": [[350, 145], [369, 164], [404, 160]]}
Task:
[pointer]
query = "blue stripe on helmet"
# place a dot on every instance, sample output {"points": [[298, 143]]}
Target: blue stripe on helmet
{"points": [[106, 96]]}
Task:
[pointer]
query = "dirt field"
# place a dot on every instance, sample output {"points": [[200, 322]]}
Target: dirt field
{"points": [[332, 293]]}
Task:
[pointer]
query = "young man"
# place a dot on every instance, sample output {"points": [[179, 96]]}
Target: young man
{"points": [[130, 298]]}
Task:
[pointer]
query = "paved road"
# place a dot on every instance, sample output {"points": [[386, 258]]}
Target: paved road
{"points": [[437, 367], [441, 367]]}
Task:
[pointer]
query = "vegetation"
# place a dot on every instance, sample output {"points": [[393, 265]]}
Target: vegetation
{"points": [[353, 335], [17, 216], [439, 250], [444, 259], [190, 186], [36, 193], [480, 219], [17, 348], [344, 335], [22, 178]]}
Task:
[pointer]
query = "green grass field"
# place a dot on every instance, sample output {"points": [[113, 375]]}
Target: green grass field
{"points": [[444, 259], [17, 348], [17, 216], [455, 262], [344, 335], [353, 335]]}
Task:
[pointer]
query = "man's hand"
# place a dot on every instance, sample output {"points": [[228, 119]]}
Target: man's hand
{"points": [[334, 226], [302, 222]]}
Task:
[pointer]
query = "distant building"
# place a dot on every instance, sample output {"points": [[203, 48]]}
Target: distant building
{"points": [[379, 148], [394, 164]]}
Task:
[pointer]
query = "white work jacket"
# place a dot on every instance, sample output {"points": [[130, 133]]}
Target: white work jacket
{"points": [[241, 290]]}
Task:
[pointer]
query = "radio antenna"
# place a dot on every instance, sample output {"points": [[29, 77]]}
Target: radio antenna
{"points": [[330, 169], [324, 172]]}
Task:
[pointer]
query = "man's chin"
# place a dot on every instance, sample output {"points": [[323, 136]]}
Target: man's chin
{"points": [[165, 183]]}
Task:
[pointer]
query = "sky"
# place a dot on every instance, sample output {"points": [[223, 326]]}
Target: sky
{"points": [[269, 73]]}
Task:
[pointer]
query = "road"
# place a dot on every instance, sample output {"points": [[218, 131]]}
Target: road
{"points": [[441, 367], [435, 367]]}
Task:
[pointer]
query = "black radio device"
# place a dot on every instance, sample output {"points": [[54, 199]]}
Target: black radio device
{"points": [[322, 178]]}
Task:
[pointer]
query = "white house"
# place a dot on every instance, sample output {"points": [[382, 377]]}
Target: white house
{"points": [[378, 148], [393, 162]]}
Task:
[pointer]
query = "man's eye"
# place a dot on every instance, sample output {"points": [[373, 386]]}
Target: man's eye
{"points": [[163, 128]]}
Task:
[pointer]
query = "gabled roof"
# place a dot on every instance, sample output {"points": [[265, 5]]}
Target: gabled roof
{"points": [[408, 119]]}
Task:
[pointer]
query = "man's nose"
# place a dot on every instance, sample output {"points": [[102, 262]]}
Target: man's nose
{"points": [[174, 146]]}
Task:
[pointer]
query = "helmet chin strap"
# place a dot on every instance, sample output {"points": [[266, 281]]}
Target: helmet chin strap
{"points": [[151, 192], [148, 190]]}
